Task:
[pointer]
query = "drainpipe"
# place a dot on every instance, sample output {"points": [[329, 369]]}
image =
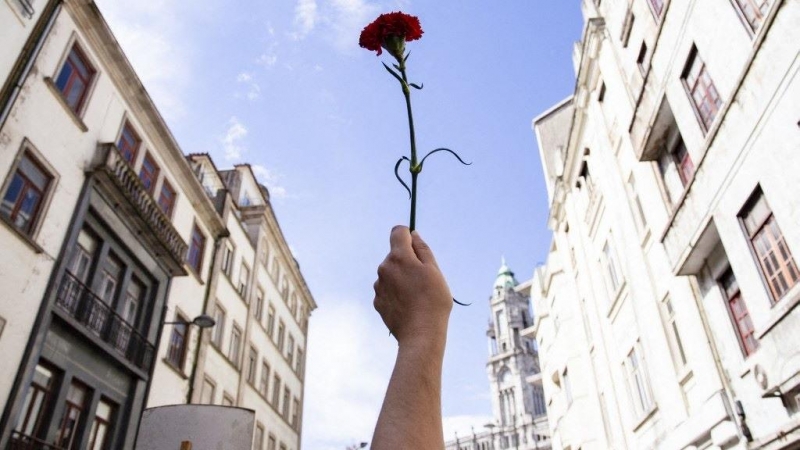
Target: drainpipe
{"points": [[30, 51], [206, 301]]}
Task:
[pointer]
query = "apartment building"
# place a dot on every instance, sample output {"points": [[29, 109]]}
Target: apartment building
{"points": [[666, 309], [113, 246]]}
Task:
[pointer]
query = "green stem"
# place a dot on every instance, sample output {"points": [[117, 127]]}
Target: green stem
{"points": [[413, 166]]}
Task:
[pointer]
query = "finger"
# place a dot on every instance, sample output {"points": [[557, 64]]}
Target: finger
{"points": [[400, 240], [421, 249]]}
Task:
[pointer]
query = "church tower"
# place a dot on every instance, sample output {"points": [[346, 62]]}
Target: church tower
{"points": [[512, 359]]}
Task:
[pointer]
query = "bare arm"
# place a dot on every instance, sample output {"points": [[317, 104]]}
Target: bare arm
{"points": [[414, 302]]}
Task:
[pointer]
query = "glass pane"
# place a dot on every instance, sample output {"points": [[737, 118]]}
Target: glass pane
{"points": [[28, 207], [34, 174], [73, 96], [12, 195], [63, 76]]}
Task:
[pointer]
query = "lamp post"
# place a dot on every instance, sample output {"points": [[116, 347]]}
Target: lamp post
{"points": [[203, 321]]}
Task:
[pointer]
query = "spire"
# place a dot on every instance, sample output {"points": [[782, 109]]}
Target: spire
{"points": [[505, 277]]}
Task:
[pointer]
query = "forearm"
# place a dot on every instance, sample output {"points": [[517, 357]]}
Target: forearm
{"points": [[411, 416]]}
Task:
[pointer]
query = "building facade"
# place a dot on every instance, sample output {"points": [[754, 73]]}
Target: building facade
{"points": [[112, 246], [666, 311], [518, 405]]}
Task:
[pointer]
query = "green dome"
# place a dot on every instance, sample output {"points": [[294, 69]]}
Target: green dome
{"points": [[505, 277]]}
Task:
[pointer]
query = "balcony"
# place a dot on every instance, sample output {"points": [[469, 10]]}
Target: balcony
{"points": [[96, 316], [21, 441], [131, 200]]}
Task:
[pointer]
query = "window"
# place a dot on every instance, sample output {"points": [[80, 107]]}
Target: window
{"points": [[676, 168], [148, 173], [258, 310], [263, 387], [641, 59], [176, 352], [627, 26], [264, 256], [24, 195], [196, 249], [227, 260], [281, 331], [81, 260], [72, 419], [128, 143], [299, 363], [258, 439], [657, 6], [252, 360], [285, 406], [207, 394], [131, 301], [638, 211], [701, 90], [227, 399], [244, 275], [673, 335], [271, 442], [612, 269], [101, 427], [166, 200], [601, 94], [219, 328], [290, 351], [75, 78], [637, 384], [36, 402], [753, 11], [270, 321], [567, 387], [774, 257], [740, 316], [236, 344], [295, 413], [276, 391]]}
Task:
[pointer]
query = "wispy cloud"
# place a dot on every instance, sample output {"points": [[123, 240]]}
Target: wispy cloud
{"points": [[305, 17], [347, 18], [232, 141], [270, 179], [153, 37], [253, 88]]}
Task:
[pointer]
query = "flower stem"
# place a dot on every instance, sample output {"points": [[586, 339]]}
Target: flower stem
{"points": [[413, 166]]}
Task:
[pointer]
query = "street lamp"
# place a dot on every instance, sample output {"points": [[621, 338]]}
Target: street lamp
{"points": [[202, 321]]}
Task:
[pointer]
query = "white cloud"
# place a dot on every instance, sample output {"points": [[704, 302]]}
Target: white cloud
{"points": [[231, 142], [347, 19], [153, 37], [244, 77], [305, 17], [270, 179], [350, 359], [253, 89], [463, 425]]}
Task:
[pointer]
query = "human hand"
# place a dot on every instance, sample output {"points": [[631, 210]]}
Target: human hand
{"points": [[411, 294]]}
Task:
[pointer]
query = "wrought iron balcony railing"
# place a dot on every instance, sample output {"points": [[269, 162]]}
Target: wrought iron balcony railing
{"points": [[155, 228], [91, 311], [21, 441]]}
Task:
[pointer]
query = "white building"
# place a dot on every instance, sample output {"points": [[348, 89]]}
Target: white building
{"points": [[110, 237], [666, 310], [518, 406]]}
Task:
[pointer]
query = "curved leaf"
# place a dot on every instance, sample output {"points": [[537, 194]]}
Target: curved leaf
{"points": [[444, 150], [397, 174]]}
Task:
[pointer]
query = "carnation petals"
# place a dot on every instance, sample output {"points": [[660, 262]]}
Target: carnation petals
{"points": [[391, 24]]}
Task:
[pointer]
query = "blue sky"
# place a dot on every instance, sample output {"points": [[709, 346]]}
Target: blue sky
{"points": [[284, 86]]}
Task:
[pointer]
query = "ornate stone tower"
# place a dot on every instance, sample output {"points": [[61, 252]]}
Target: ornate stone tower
{"points": [[512, 360]]}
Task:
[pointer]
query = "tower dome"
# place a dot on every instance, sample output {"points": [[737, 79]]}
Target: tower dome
{"points": [[505, 277]]}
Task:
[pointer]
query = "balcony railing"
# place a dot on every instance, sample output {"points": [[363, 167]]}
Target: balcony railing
{"points": [[156, 227], [91, 311], [21, 441]]}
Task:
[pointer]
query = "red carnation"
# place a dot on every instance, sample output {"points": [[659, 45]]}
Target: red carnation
{"points": [[390, 31]]}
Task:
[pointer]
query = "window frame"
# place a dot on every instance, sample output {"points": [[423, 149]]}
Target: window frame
{"points": [[729, 295], [199, 237], [28, 152], [169, 209], [252, 365], [752, 28], [690, 86], [642, 392], [79, 108], [134, 151], [145, 174], [657, 7], [180, 322], [218, 335], [769, 221], [266, 373], [235, 359]]}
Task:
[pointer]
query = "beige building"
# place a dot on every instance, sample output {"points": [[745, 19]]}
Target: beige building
{"points": [[666, 311], [113, 243]]}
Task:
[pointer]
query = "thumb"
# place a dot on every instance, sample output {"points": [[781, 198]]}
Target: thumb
{"points": [[421, 249]]}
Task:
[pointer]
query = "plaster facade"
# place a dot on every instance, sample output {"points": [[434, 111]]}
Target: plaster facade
{"points": [[675, 322]]}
